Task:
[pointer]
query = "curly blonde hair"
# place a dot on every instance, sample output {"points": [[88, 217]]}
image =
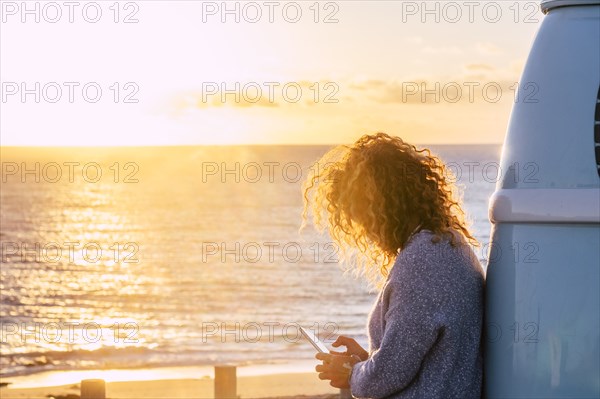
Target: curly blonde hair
{"points": [[371, 197]]}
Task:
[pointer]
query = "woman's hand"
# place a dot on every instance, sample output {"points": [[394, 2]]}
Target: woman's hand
{"points": [[352, 348], [336, 368]]}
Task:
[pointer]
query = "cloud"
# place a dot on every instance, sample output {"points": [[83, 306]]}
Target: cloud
{"points": [[488, 49], [368, 84], [208, 99], [517, 66], [470, 88], [269, 94], [479, 67], [448, 50], [413, 40], [465, 87]]}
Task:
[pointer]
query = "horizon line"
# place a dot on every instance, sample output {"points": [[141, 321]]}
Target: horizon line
{"points": [[220, 145]]}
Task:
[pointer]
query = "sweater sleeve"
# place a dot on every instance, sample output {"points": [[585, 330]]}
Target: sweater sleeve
{"points": [[411, 329]]}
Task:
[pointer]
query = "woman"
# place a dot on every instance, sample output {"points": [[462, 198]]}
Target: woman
{"points": [[392, 207]]}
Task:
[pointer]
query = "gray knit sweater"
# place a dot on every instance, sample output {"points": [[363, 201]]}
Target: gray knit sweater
{"points": [[425, 328]]}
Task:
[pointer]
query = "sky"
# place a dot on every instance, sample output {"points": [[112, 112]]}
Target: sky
{"points": [[306, 72]]}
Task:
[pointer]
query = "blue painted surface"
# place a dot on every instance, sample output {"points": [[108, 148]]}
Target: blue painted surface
{"points": [[543, 312], [543, 283]]}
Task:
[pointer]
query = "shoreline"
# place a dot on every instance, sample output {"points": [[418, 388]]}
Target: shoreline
{"points": [[63, 377], [292, 385], [284, 380]]}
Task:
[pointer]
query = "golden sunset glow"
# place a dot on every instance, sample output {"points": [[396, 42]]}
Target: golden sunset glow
{"points": [[209, 199], [198, 80]]}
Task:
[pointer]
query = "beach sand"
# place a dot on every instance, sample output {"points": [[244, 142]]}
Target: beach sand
{"points": [[290, 385]]}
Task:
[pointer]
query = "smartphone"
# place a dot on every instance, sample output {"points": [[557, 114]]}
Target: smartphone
{"points": [[312, 338]]}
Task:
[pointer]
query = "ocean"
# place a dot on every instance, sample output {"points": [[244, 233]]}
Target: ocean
{"points": [[176, 256]]}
